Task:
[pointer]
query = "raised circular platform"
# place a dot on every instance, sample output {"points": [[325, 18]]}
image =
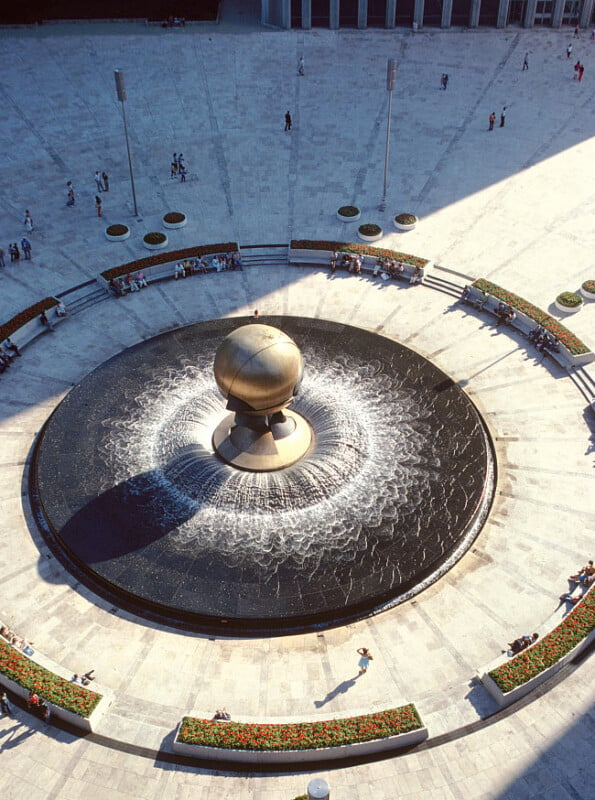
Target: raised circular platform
{"points": [[393, 492]]}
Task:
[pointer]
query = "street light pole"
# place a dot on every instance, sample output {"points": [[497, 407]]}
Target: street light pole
{"points": [[121, 92], [391, 77]]}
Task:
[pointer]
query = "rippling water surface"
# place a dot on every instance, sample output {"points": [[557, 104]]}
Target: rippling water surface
{"points": [[391, 492]]}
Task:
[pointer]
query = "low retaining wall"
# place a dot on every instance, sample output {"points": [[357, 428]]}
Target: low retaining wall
{"points": [[297, 756], [299, 257]]}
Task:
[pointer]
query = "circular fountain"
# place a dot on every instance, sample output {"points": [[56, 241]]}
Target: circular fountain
{"points": [[265, 519]]}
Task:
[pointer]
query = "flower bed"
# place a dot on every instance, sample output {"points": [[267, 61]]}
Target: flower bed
{"points": [[548, 651], [164, 258], [174, 219], [568, 339], [360, 249], [349, 213], [25, 316], [299, 735], [74, 698]]}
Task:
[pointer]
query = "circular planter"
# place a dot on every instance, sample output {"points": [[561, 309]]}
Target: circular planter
{"points": [[117, 233], [588, 290], [174, 219], [569, 302], [369, 233], [405, 222], [349, 214], [155, 240]]}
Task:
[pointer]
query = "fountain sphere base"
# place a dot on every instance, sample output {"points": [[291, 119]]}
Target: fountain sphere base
{"points": [[131, 496], [260, 451]]}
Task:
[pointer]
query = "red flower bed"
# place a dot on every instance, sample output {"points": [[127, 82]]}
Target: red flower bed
{"points": [[360, 249], [299, 735], [25, 316], [546, 652], [164, 258], [59, 692], [562, 334]]}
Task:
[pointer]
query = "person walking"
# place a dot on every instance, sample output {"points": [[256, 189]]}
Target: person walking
{"points": [[526, 62], [492, 121], [26, 245], [70, 188], [182, 170], [98, 181], [577, 32], [105, 179], [581, 72], [4, 705], [2, 264], [503, 116], [365, 659], [98, 205], [28, 221], [301, 65], [173, 168], [569, 50], [287, 121]]}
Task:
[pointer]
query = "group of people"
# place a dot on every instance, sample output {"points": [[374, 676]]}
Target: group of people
{"points": [[521, 643], [579, 71], [387, 267], [102, 181], [83, 680], [505, 314], [8, 352], [17, 641], [38, 706], [133, 282], [219, 263], [15, 253], [584, 578], [178, 167], [543, 340]]}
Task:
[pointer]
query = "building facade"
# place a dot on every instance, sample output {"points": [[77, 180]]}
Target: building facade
{"points": [[419, 14]]}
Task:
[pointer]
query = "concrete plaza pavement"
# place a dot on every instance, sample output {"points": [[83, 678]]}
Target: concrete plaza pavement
{"points": [[513, 205]]}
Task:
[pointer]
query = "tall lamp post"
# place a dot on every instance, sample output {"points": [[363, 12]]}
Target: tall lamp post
{"points": [[391, 78], [121, 92]]}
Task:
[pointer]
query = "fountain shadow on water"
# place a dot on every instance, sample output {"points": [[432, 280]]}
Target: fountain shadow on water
{"points": [[122, 521], [341, 688]]}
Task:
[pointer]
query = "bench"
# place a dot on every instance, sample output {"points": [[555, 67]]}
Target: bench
{"points": [[28, 331], [322, 258], [166, 270], [482, 301]]}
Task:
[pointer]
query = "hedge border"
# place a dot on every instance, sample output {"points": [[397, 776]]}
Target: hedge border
{"points": [[170, 255], [577, 625], [299, 735], [72, 697], [568, 339], [361, 249], [25, 316]]}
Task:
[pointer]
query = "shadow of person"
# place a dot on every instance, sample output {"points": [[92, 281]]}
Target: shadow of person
{"points": [[15, 741], [341, 688]]}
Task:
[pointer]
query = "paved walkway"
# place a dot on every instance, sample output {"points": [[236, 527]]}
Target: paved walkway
{"points": [[511, 205]]}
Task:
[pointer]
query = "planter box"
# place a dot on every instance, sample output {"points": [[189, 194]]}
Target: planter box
{"points": [[567, 309], [82, 723], [505, 699], [349, 219], [400, 227], [121, 238], [174, 225], [374, 238], [297, 756], [155, 246], [587, 295]]}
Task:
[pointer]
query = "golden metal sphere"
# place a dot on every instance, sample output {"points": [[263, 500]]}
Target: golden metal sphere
{"points": [[259, 365]]}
